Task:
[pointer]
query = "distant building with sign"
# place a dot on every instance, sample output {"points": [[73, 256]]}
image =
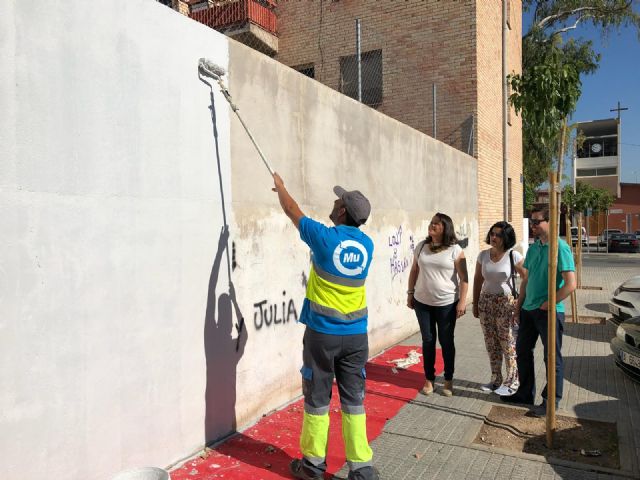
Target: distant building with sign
{"points": [[597, 159]]}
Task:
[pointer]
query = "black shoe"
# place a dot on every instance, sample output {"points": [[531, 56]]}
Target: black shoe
{"points": [[297, 469], [539, 411], [364, 473], [517, 399]]}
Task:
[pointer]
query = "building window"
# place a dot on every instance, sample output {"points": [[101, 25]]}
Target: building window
{"points": [[509, 201], [586, 172], [508, 14], [599, 147], [371, 77], [308, 69], [596, 172]]}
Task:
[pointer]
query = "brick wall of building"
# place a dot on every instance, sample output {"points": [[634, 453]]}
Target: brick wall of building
{"points": [[609, 183], [629, 203], [455, 44], [489, 145], [422, 42]]}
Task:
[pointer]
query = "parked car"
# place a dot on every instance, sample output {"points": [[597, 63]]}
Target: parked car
{"points": [[626, 347], [574, 236], [625, 303], [603, 238], [623, 242], [637, 234]]}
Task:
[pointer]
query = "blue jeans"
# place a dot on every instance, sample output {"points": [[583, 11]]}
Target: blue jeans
{"points": [[533, 323], [444, 318]]}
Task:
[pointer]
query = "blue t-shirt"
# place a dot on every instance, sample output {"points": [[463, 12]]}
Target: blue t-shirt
{"points": [[536, 262], [341, 256]]}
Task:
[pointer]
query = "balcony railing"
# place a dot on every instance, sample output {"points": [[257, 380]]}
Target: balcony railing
{"points": [[229, 14]]}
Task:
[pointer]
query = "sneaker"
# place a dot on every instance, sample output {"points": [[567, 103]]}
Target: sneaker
{"points": [[447, 390], [297, 469], [489, 387], [506, 390], [364, 473]]}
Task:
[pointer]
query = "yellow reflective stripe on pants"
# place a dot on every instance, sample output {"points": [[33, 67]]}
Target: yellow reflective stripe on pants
{"points": [[354, 432], [313, 440]]}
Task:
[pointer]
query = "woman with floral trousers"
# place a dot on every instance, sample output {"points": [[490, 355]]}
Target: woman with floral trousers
{"points": [[494, 301]]}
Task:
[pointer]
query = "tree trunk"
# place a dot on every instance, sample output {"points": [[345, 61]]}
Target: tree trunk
{"points": [[551, 311]]}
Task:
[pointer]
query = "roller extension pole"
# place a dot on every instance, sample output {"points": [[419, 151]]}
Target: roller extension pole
{"points": [[216, 72]]}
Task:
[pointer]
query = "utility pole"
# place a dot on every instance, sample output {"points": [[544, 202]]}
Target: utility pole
{"points": [[505, 113], [618, 110]]}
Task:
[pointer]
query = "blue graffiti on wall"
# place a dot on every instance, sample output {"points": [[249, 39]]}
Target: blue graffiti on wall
{"points": [[400, 260]]}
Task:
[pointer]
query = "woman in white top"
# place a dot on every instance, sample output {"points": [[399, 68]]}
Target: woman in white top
{"points": [[438, 285], [494, 301]]}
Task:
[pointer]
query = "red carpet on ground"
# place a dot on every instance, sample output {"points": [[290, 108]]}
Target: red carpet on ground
{"points": [[265, 450]]}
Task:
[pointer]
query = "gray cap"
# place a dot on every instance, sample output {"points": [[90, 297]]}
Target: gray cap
{"points": [[355, 202]]}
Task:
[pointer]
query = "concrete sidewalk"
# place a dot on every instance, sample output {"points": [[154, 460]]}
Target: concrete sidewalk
{"points": [[431, 437]]}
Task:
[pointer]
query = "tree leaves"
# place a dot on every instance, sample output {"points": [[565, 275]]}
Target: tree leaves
{"points": [[549, 87], [587, 196], [544, 95]]}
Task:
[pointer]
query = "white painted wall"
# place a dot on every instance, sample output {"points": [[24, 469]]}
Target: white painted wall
{"points": [[110, 209], [317, 138]]}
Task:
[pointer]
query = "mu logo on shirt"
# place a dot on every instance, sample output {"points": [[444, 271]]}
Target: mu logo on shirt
{"points": [[350, 258]]}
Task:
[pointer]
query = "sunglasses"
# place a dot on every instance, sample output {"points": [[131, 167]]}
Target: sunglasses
{"points": [[496, 234], [535, 221]]}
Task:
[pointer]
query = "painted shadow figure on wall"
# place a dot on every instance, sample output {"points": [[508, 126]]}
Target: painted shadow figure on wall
{"points": [[222, 351]]}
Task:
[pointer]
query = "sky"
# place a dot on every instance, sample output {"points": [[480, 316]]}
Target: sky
{"points": [[617, 79]]}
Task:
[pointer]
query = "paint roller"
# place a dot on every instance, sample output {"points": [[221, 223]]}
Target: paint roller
{"points": [[216, 72]]}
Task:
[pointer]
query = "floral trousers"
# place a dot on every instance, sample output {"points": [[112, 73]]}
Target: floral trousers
{"points": [[500, 330]]}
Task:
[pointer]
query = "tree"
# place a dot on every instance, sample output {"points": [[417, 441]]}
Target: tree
{"points": [[529, 197], [544, 95], [602, 201], [560, 16], [587, 196], [546, 49]]}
